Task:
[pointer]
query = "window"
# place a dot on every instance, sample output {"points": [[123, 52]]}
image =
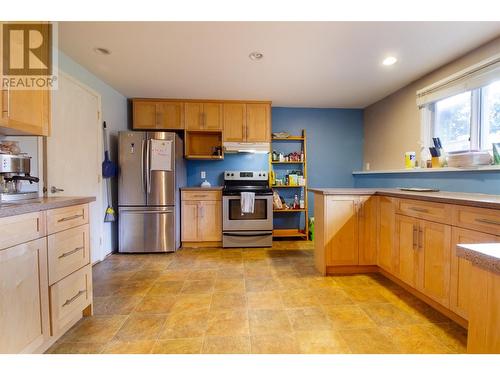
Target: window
{"points": [[469, 120]]}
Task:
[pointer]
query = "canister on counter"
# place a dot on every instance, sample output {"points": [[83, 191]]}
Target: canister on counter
{"points": [[410, 157]]}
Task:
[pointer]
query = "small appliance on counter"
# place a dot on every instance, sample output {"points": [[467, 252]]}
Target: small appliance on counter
{"points": [[242, 227], [13, 170]]}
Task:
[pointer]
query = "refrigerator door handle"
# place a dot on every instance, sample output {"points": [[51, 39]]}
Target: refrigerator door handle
{"points": [[143, 178], [148, 161]]}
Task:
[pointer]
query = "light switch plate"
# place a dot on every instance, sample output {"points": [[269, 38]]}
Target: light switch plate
{"points": [[203, 174]]}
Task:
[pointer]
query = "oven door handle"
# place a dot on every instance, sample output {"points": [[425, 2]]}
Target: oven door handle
{"points": [[262, 234]]}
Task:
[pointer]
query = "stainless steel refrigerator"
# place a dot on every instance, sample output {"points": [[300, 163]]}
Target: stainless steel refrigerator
{"points": [[149, 191]]}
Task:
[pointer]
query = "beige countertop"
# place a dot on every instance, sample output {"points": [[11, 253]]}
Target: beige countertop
{"points": [[468, 199], [200, 188], [484, 255], [40, 204]]}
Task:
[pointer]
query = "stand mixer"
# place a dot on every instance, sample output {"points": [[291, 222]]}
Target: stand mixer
{"points": [[13, 170]]}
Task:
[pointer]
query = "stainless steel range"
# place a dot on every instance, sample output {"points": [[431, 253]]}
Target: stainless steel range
{"points": [[252, 229]]}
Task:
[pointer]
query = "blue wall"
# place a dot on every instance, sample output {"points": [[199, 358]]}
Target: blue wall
{"points": [[471, 182]]}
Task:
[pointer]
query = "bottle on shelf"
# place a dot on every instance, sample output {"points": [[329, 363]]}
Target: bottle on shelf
{"points": [[296, 203], [302, 203]]}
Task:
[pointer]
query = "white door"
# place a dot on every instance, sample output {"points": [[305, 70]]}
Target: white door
{"points": [[74, 149]]}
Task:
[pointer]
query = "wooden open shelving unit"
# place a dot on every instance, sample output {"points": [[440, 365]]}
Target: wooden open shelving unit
{"points": [[296, 233]]}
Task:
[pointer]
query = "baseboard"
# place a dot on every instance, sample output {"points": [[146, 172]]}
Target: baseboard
{"points": [[347, 270], [186, 244]]}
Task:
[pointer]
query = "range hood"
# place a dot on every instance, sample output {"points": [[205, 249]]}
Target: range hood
{"points": [[256, 147]]}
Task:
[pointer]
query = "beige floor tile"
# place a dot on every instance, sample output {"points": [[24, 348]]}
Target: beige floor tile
{"points": [[253, 270], [95, 329], [138, 288], [228, 323], [197, 286], [186, 324], [321, 342], [166, 287], [173, 274], [228, 301], [142, 326], [178, 346], [332, 296], [192, 302], [156, 304], [264, 300], [387, 314], [299, 298], [230, 271], [230, 285], [415, 339], [348, 317], [450, 334], [118, 346], [202, 274], [115, 305], [226, 345], [369, 341], [354, 281], [291, 283], [363, 294], [308, 319], [75, 348], [262, 285], [269, 321], [274, 344]]}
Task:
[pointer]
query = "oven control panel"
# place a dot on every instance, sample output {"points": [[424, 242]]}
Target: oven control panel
{"points": [[245, 175]]}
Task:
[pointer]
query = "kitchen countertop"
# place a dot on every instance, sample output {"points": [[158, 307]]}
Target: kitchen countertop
{"points": [[485, 255], [198, 188], [468, 199], [40, 204]]}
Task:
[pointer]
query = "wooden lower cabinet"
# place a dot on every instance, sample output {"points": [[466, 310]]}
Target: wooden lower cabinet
{"points": [[24, 299], [368, 224], [387, 257], [406, 243], [460, 279], [201, 217]]}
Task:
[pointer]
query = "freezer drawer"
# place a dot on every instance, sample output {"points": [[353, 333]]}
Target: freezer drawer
{"points": [[146, 229], [247, 239]]}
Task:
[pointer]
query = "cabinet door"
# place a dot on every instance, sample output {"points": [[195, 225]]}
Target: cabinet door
{"points": [[193, 113], [434, 261], [190, 221], [210, 221], [258, 127], [341, 228], [460, 283], [234, 122], [407, 243], [27, 111], [170, 115], [144, 115], [24, 298], [212, 116], [388, 257], [368, 220]]}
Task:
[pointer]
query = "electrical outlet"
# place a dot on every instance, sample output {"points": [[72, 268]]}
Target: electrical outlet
{"points": [[203, 174]]}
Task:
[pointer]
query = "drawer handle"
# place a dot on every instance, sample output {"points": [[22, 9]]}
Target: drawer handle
{"points": [[418, 209], [488, 221], [69, 218], [63, 255], [200, 195], [72, 299]]}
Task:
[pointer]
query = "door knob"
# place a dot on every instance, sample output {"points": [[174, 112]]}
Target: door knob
{"points": [[54, 190]]}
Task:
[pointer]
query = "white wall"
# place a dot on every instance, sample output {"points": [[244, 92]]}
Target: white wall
{"points": [[114, 112]]}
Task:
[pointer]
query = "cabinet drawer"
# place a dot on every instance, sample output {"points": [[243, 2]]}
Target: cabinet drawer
{"points": [[203, 195], [67, 217], [432, 211], [69, 297], [68, 251], [21, 228], [480, 219]]}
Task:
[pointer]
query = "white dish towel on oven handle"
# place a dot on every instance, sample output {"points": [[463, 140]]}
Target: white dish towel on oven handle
{"points": [[247, 202]]}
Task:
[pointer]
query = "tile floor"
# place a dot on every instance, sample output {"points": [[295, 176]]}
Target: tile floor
{"points": [[251, 301]]}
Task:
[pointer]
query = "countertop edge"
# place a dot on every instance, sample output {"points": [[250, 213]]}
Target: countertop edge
{"points": [[41, 204], [201, 188], [486, 261]]}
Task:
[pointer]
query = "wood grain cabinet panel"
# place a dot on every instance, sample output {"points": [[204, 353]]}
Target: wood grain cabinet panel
{"points": [[189, 215], [24, 299], [212, 116], [60, 219], [201, 216], [368, 235], [439, 212], [460, 280], [234, 122], [210, 221], [258, 122], [479, 219], [408, 246], [157, 115], [170, 115], [144, 115], [21, 228], [68, 251], [388, 257]]}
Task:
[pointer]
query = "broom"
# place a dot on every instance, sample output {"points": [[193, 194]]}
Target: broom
{"points": [[109, 169]]}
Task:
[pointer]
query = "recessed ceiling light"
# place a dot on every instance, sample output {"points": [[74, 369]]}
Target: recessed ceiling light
{"points": [[102, 51], [389, 60], [256, 56]]}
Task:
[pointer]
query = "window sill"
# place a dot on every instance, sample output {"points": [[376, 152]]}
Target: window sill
{"points": [[488, 168]]}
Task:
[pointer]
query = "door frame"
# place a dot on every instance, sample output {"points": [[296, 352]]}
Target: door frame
{"points": [[42, 143]]}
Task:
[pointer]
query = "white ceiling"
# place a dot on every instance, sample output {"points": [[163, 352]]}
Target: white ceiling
{"points": [[306, 64]]}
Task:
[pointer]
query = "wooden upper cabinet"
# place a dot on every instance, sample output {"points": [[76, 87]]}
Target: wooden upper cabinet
{"points": [[151, 115], [144, 115], [25, 112], [234, 122], [258, 122], [203, 116]]}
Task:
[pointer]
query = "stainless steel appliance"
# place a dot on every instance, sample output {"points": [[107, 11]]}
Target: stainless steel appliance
{"points": [[151, 172], [247, 229], [13, 170]]}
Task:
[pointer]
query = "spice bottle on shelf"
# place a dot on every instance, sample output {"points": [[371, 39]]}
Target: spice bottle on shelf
{"points": [[296, 203], [302, 202], [302, 155]]}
